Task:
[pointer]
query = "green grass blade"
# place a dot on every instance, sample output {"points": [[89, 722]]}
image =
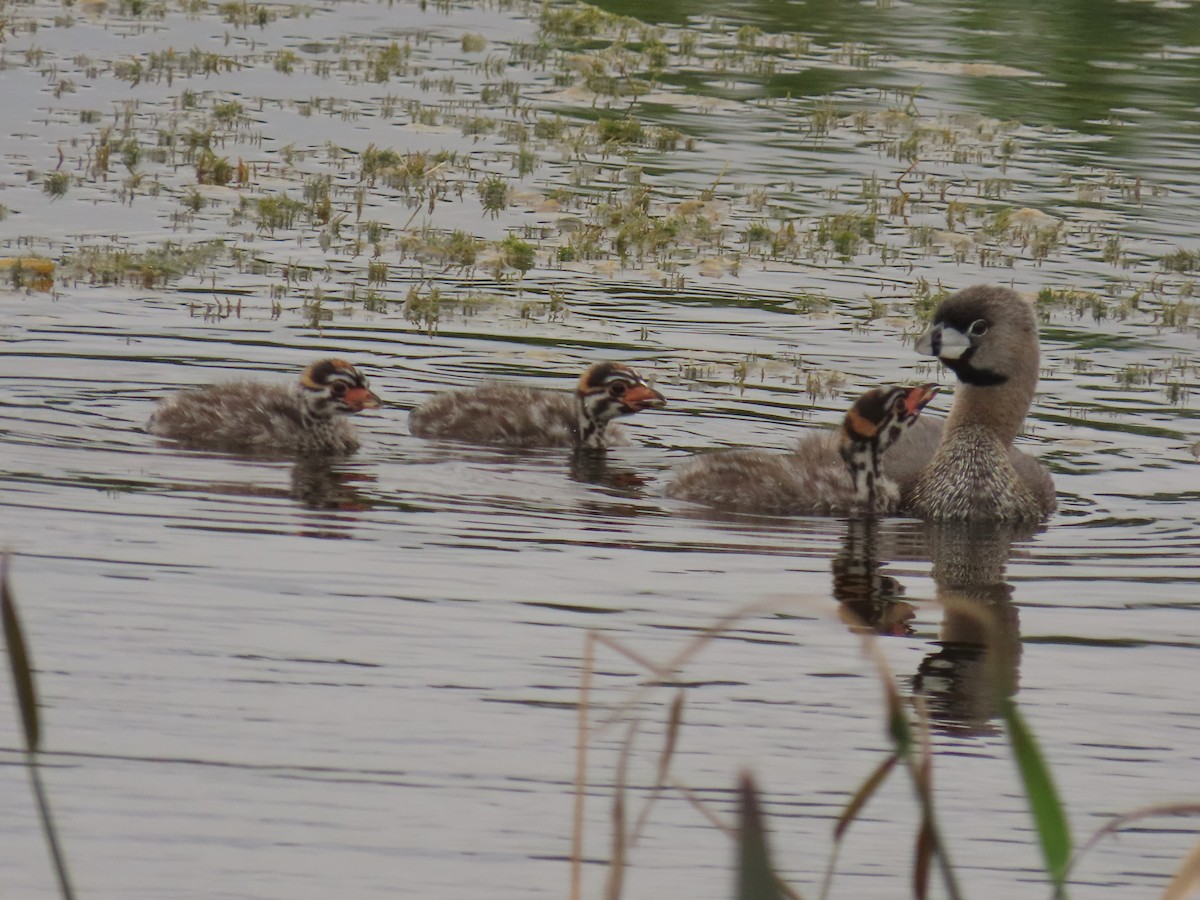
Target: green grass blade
{"points": [[18, 661], [756, 878], [1049, 817]]}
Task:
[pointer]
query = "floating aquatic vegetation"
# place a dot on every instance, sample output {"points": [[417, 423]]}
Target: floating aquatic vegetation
{"points": [[1180, 261], [517, 254], [580, 135], [28, 272], [56, 184], [424, 308], [112, 264]]}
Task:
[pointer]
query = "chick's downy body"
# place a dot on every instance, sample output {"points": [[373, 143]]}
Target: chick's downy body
{"points": [[832, 472], [308, 417], [513, 415]]}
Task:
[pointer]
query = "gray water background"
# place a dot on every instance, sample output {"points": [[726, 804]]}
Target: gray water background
{"points": [[263, 679]]}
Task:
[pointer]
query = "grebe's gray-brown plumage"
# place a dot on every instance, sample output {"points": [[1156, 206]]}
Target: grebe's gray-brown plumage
{"points": [[510, 415], [829, 473], [307, 417], [968, 469]]}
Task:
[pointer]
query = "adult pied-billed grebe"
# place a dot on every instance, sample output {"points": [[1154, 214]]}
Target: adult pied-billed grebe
{"points": [[270, 419], [512, 415], [829, 473], [968, 468]]}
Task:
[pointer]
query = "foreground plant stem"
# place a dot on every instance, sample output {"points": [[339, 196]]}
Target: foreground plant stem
{"points": [[25, 688], [56, 855]]}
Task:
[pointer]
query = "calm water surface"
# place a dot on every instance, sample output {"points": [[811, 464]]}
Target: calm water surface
{"points": [[267, 679]]}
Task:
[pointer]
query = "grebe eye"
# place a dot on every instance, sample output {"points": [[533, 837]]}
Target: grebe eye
{"points": [[338, 389], [978, 328], [618, 388]]}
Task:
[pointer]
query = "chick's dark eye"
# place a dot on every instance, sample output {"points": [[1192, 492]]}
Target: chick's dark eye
{"points": [[617, 388], [978, 328], [338, 389]]}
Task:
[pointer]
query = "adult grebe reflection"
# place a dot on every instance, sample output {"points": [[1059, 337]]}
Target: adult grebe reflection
{"points": [[978, 659], [980, 656]]}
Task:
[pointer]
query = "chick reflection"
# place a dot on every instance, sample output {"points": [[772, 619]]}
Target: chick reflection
{"points": [[318, 484], [868, 598], [592, 467]]}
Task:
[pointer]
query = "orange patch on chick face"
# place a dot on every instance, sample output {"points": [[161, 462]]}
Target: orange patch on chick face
{"points": [[860, 426]]}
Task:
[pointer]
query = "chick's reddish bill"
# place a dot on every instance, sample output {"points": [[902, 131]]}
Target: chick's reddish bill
{"points": [[918, 397], [359, 398], [641, 396]]}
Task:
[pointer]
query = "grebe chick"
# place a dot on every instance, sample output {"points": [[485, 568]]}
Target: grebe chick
{"points": [[988, 337], [829, 473], [512, 415], [270, 419]]}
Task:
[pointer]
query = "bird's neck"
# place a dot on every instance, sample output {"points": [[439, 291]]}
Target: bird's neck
{"points": [[589, 427], [316, 407], [1001, 409], [865, 475]]}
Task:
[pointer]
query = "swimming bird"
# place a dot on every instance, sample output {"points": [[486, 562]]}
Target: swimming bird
{"points": [[511, 415], [270, 419], [828, 473], [968, 469]]}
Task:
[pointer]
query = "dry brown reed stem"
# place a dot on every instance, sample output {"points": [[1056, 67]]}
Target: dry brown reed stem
{"points": [[917, 753], [1186, 881], [20, 665], [693, 798], [583, 737], [21, 668], [581, 745], [585, 731], [1118, 822], [786, 889], [670, 740], [667, 670], [864, 793], [923, 784], [645, 662], [927, 838], [616, 861]]}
